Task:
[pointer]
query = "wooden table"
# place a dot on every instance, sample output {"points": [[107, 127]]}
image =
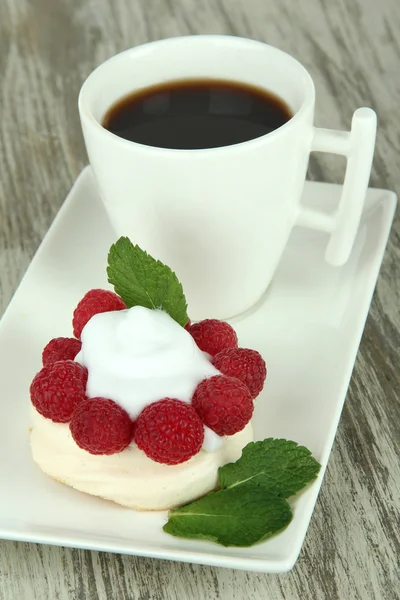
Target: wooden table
{"points": [[352, 49]]}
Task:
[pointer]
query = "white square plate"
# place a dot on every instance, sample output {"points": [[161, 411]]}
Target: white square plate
{"points": [[308, 327]]}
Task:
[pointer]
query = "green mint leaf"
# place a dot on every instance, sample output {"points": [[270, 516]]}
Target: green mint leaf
{"points": [[279, 467], [141, 280], [251, 505], [239, 516]]}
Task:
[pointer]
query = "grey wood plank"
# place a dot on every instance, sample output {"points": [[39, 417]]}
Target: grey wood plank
{"points": [[352, 49]]}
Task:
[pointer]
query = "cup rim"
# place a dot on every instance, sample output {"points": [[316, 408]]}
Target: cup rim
{"points": [[87, 114]]}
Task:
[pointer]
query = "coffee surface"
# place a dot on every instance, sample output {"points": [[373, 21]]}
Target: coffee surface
{"points": [[196, 113]]}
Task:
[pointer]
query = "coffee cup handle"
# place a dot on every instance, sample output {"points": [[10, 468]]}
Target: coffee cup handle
{"points": [[358, 146]]}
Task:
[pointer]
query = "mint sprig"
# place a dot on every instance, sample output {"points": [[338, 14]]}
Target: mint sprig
{"points": [[232, 517], [251, 504], [141, 280], [279, 467]]}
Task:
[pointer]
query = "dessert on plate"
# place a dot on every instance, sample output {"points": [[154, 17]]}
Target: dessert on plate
{"points": [[141, 406]]}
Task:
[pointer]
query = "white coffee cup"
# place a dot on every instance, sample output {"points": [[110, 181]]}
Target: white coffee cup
{"points": [[221, 217]]}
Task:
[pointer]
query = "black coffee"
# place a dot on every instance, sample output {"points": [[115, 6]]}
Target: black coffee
{"points": [[195, 114]]}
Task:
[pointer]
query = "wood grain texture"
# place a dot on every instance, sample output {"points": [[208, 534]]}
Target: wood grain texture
{"points": [[352, 49]]}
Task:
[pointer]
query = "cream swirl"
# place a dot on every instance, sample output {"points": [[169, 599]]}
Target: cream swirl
{"points": [[138, 356]]}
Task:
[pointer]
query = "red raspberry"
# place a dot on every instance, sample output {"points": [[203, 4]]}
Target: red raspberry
{"points": [[212, 335], [244, 364], [223, 403], [188, 325], [92, 303], [60, 349], [169, 431], [58, 388], [100, 426]]}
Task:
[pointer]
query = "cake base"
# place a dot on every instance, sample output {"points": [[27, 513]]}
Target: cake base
{"points": [[129, 478]]}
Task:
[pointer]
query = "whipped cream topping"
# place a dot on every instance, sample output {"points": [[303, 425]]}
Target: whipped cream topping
{"points": [[138, 356]]}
